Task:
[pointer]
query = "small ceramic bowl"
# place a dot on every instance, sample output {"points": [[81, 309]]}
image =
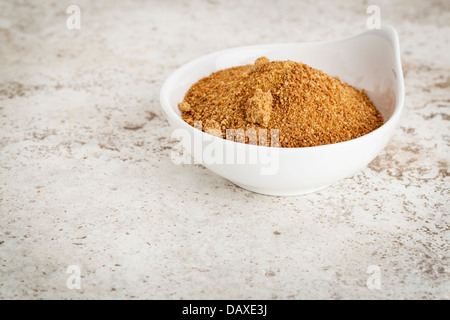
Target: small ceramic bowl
{"points": [[370, 61]]}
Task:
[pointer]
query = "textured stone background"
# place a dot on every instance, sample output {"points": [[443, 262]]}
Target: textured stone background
{"points": [[80, 121]]}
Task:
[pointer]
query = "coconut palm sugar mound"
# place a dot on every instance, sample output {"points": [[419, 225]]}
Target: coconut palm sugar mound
{"points": [[307, 106]]}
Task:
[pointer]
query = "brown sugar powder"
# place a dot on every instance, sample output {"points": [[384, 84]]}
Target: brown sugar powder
{"points": [[307, 106]]}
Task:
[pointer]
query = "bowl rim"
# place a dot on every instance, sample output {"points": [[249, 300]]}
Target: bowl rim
{"points": [[386, 30]]}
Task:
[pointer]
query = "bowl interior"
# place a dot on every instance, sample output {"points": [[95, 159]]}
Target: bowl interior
{"points": [[367, 61]]}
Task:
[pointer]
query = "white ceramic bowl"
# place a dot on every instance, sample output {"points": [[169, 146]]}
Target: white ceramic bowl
{"points": [[370, 61]]}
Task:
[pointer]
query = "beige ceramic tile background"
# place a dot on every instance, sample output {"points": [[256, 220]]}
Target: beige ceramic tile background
{"points": [[80, 122]]}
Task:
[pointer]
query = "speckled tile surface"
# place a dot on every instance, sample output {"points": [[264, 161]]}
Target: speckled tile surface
{"points": [[86, 179]]}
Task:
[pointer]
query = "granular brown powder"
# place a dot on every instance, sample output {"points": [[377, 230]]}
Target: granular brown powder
{"points": [[308, 107]]}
